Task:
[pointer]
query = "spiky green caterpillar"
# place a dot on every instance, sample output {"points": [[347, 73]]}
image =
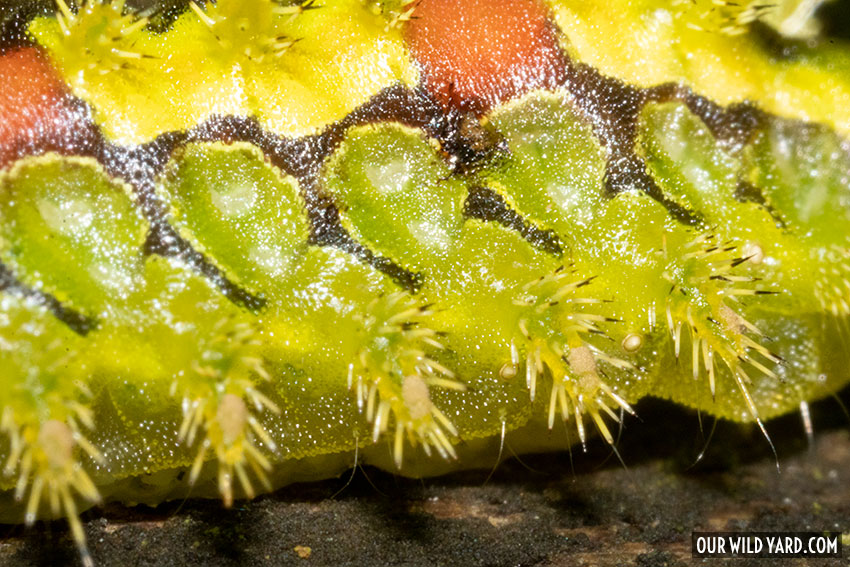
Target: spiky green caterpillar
{"points": [[469, 302]]}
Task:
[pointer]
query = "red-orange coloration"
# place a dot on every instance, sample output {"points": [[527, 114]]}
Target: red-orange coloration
{"points": [[36, 109], [475, 54]]}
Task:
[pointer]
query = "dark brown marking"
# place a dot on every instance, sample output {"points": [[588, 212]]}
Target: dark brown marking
{"points": [[487, 205], [746, 192], [613, 108], [77, 322]]}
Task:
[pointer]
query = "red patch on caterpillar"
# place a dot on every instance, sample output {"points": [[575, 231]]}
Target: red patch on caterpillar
{"points": [[37, 111], [475, 54]]}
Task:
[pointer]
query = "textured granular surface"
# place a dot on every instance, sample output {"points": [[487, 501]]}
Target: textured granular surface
{"points": [[548, 510]]}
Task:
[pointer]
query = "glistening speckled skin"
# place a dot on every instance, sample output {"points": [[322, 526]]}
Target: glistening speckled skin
{"points": [[270, 245]]}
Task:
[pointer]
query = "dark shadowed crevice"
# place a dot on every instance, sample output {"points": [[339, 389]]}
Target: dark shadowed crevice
{"points": [[836, 20]]}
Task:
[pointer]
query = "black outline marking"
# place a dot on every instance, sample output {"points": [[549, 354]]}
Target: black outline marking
{"points": [[487, 205], [77, 322]]}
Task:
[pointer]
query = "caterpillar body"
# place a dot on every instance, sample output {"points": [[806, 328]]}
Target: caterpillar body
{"points": [[279, 234]]}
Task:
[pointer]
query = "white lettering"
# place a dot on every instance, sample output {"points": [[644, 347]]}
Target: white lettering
{"points": [[771, 542], [734, 544], [795, 545], [832, 546]]}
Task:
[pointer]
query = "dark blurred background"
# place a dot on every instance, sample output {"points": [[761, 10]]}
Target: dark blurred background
{"points": [[559, 509]]}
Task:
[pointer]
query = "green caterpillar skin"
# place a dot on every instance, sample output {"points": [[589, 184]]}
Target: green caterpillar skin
{"points": [[259, 284]]}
